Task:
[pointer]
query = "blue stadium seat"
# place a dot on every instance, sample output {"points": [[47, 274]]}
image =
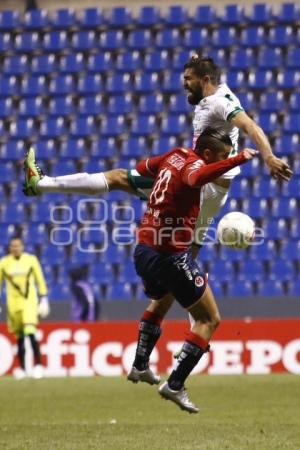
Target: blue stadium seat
{"points": [[119, 291], [276, 229], [176, 16], [55, 41], [240, 288], [295, 229], [15, 65], [6, 107], [102, 273], [119, 17], [235, 79], [14, 213], [251, 270], [91, 18], [204, 15], [13, 149], [265, 251], [115, 254], [9, 20], [224, 37], [252, 36], [288, 79], [140, 39], [172, 82], [133, 147], [296, 166], [106, 146], [229, 254], [178, 104], [83, 126], [148, 16], [27, 42], [294, 288], [143, 125], [218, 55], [157, 60], [272, 101], [280, 35], [233, 15], [270, 58], [179, 58], [52, 128], [163, 144], [120, 104], [128, 273], [93, 105], [6, 42], [260, 79], [291, 188], [36, 19], [43, 64], [32, 107], [168, 39], [288, 13], [61, 84], [291, 123], [255, 207], [111, 40], [80, 258], [261, 13], [72, 148], [294, 103], [89, 84], [118, 83], [270, 288], [8, 86], [23, 128], [290, 250], [36, 233], [247, 100], [7, 172], [268, 122], [62, 19], [285, 207], [72, 63], [145, 83], [45, 149], [83, 41], [151, 103], [129, 61], [6, 231], [113, 126], [33, 85], [281, 270], [221, 270], [240, 188], [59, 292], [242, 58], [194, 38], [293, 58], [62, 106], [100, 62], [265, 188], [174, 124]]}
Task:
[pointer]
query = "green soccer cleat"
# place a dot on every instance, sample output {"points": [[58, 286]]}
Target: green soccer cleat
{"points": [[33, 174]]}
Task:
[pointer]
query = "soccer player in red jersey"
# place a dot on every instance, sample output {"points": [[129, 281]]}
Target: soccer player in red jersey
{"points": [[164, 261]]}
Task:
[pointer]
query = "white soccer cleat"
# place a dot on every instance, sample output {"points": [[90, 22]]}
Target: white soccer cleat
{"points": [[19, 374], [179, 397], [38, 372], [147, 376]]}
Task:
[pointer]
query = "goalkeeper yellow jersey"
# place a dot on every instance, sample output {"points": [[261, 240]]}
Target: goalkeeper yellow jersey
{"points": [[24, 280]]}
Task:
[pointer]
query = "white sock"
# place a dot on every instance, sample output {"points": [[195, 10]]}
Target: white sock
{"points": [[77, 183]]}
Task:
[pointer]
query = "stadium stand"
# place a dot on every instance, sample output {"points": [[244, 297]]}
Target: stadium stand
{"points": [[98, 89]]}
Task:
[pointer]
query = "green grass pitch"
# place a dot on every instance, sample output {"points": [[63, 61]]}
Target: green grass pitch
{"points": [[237, 412]]}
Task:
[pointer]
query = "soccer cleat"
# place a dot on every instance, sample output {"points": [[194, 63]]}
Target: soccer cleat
{"points": [[19, 373], [33, 174], [146, 376], [179, 397], [38, 372]]}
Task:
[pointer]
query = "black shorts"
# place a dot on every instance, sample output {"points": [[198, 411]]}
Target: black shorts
{"points": [[178, 274]]}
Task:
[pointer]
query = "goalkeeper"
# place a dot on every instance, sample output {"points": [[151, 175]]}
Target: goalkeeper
{"points": [[24, 280]]}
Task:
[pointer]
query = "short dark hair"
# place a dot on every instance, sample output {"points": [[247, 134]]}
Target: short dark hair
{"points": [[204, 66], [212, 139]]}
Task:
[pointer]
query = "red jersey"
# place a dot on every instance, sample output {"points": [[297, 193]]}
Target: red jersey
{"points": [[173, 206]]}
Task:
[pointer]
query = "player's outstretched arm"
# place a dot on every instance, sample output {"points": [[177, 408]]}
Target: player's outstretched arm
{"points": [[279, 169]]}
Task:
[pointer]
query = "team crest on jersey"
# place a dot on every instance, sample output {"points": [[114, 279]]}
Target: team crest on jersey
{"points": [[199, 281]]}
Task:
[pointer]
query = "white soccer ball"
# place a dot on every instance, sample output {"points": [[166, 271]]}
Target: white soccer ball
{"points": [[236, 230]]}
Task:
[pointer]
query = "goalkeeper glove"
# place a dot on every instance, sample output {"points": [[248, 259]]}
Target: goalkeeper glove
{"points": [[43, 307]]}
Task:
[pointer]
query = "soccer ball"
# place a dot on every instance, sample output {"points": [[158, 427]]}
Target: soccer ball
{"points": [[236, 230]]}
